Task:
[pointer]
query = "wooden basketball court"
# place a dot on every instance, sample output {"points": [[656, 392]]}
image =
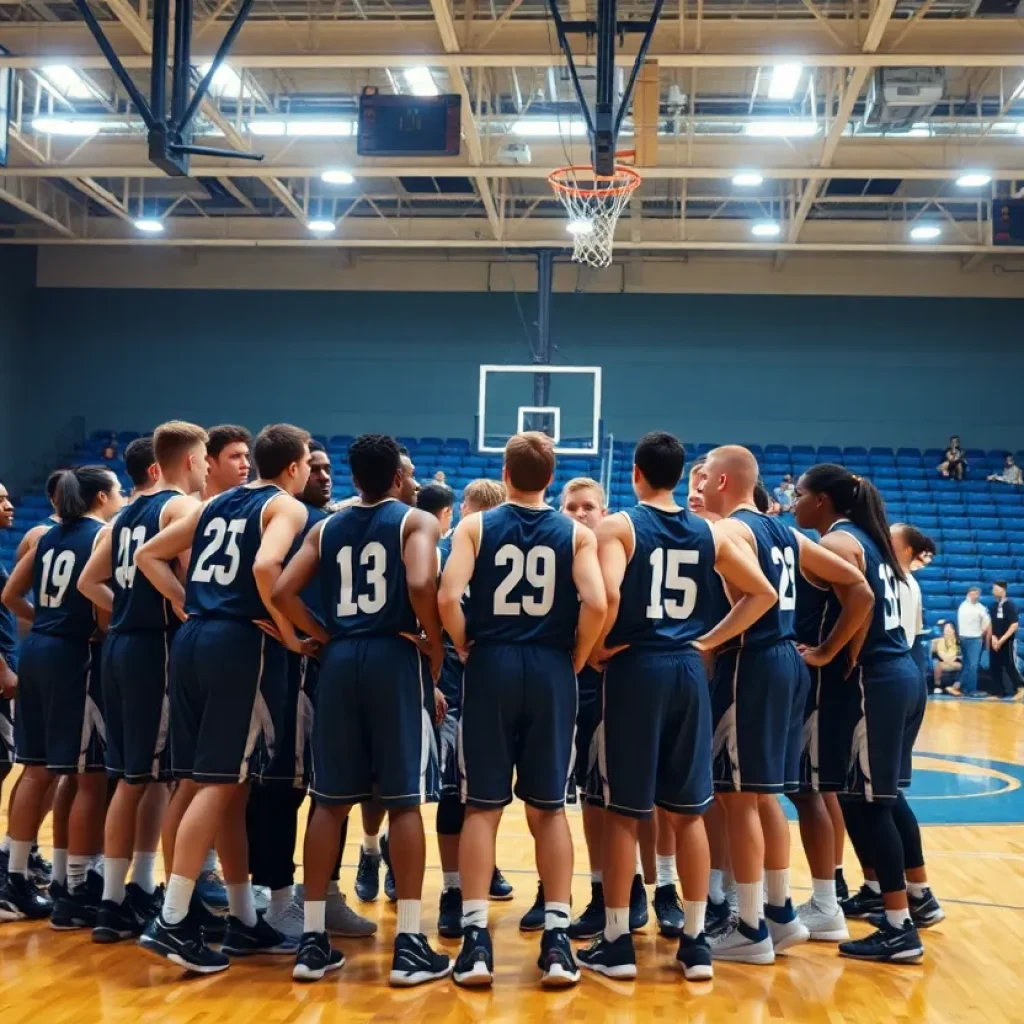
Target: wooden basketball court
{"points": [[968, 782]]}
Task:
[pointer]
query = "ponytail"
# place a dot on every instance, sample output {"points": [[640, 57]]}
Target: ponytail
{"points": [[857, 499], [78, 489]]}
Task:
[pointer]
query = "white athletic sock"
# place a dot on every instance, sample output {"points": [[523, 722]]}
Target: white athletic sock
{"points": [[474, 913], [241, 903], [728, 880], [210, 864], [60, 865], [280, 900], [666, 867], [597, 877], [371, 844], [693, 920], [450, 880], [917, 889], [5, 843], [639, 863], [17, 863], [314, 916], [177, 898], [751, 900], [824, 894], [616, 922], [776, 885], [115, 873], [96, 864], [143, 875], [409, 917], [716, 892], [872, 884], [897, 918], [556, 915], [78, 868]]}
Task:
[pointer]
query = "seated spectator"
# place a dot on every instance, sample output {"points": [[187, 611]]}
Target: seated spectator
{"points": [[109, 453], [947, 660], [785, 493], [1011, 474], [439, 476], [955, 465]]}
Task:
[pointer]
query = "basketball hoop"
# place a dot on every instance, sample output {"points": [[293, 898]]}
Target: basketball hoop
{"points": [[594, 203]]}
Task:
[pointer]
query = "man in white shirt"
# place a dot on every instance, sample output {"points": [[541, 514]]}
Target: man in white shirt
{"points": [[973, 624]]}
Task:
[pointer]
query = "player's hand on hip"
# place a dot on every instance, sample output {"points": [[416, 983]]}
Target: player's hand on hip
{"points": [[8, 682], [179, 610], [599, 657], [311, 647], [814, 657], [440, 706], [708, 656], [270, 628]]}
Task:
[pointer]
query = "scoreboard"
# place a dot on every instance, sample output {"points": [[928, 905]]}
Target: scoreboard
{"points": [[408, 125]]}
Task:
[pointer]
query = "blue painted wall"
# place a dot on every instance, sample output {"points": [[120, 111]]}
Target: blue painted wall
{"points": [[786, 369], [17, 277]]}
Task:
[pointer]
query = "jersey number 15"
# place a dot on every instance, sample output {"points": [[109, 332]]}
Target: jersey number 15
{"points": [[667, 578]]}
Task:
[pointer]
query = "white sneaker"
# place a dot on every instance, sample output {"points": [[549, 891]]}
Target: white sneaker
{"points": [[288, 921], [340, 918], [261, 897], [788, 933], [824, 925], [742, 944]]}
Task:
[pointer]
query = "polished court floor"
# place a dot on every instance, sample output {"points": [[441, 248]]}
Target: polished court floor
{"points": [[968, 778]]}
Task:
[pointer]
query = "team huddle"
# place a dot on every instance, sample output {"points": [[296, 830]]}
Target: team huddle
{"points": [[675, 669]]}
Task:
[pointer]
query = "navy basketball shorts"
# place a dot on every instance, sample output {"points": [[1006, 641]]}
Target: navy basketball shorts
{"points": [[447, 733], [879, 730], [58, 722], [227, 695], [586, 774], [7, 746], [290, 764], [136, 669], [759, 703], [822, 754], [654, 740], [518, 715], [372, 734]]}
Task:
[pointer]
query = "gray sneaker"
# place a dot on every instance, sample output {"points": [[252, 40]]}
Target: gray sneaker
{"points": [[290, 920], [261, 897], [340, 918]]}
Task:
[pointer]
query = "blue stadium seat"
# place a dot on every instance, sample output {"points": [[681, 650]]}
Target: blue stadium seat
{"points": [[960, 561], [926, 523], [776, 449], [956, 535], [829, 453], [1008, 497], [935, 455], [885, 472], [436, 441], [456, 444], [958, 548], [341, 440], [803, 450], [964, 575], [908, 453]]}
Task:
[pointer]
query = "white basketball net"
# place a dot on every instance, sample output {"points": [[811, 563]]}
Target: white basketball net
{"points": [[594, 205]]}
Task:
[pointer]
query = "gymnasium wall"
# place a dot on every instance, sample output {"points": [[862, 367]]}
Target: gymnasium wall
{"points": [[766, 368], [17, 278]]}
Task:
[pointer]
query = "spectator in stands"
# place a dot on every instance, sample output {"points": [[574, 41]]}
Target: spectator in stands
{"points": [[109, 453], [439, 477], [1011, 474], [947, 660], [1002, 658], [785, 492], [973, 625], [955, 465]]}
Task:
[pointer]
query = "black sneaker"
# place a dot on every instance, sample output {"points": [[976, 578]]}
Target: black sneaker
{"points": [[556, 960], [862, 903], [668, 910], [213, 926], [116, 922], [368, 876], [501, 888], [261, 938], [842, 889], [415, 962], [717, 918], [590, 923], [20, 900], [612, 959], [533, 919], [389, 875], [183, 944], [637, 904], [145, 904], [5, 859], [449, 915], [925, 911], [694, 957], [474, 966], [79, 908], [887, 945], [316, 956], [40, 870]]}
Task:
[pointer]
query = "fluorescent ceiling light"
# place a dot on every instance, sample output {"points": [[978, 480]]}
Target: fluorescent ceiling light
{"points": [[920, 131], [781, 129], [150, 225], [1020, 128], [333, 128], [925, 233], [973, 179], [747, 179], [580, 226], [765, 229], [421, 82], [785, 79], [321, 227], [337, 176], [69, 126], [226, 82], [68, 82], [539, 128]]}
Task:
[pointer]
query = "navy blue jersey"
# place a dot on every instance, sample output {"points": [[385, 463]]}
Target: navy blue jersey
{"points": [[220, 583], [669, 595], [362, 576], [444, 550], [885, 637], [311, 593], [778, 555], [522, 590], [137, 603], [8, 626], [61, 610], [811, 604]]}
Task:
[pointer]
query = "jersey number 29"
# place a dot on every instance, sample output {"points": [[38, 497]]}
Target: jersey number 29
{"points": [[538, 565]]}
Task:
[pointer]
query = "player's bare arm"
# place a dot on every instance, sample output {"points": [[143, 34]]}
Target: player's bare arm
{"points": [[30, 540], [93, 581], [419, 554], [154, 559], [19, 583], [283, 520], [586, 574], [457, 573], [300, 571], [846, 547], [614, 549]]}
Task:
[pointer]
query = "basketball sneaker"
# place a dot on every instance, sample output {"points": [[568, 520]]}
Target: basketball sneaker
{"points": [[474, 966], [717, 918], [925, 911], [183, 944], [20, 900], [612, 959], [694, 957], [5, 859], [213, 926], [449, 914], [556, 960], [40, 870], [823, 925], [785, 926], [260, 938], [740, 943], [79, 908], [389, 876], [316, 956], [862, 903], [637, 904], [261, 897], [590, 923], [415, 962], [842, 889], [146, 904], [888, 944], [116, 922], [501, 888], [668, 911], [212, 892], [368, 876], [340, 918], [533, 919]]}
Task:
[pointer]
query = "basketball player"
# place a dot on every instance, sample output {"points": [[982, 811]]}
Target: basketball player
{"points": [[868, 732], [59, 724], [658, 562], [228, 686], [31, 538], [375, 565], [227, 455], [8, 671], [135, 667], [759, 695], [535, 608]]}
